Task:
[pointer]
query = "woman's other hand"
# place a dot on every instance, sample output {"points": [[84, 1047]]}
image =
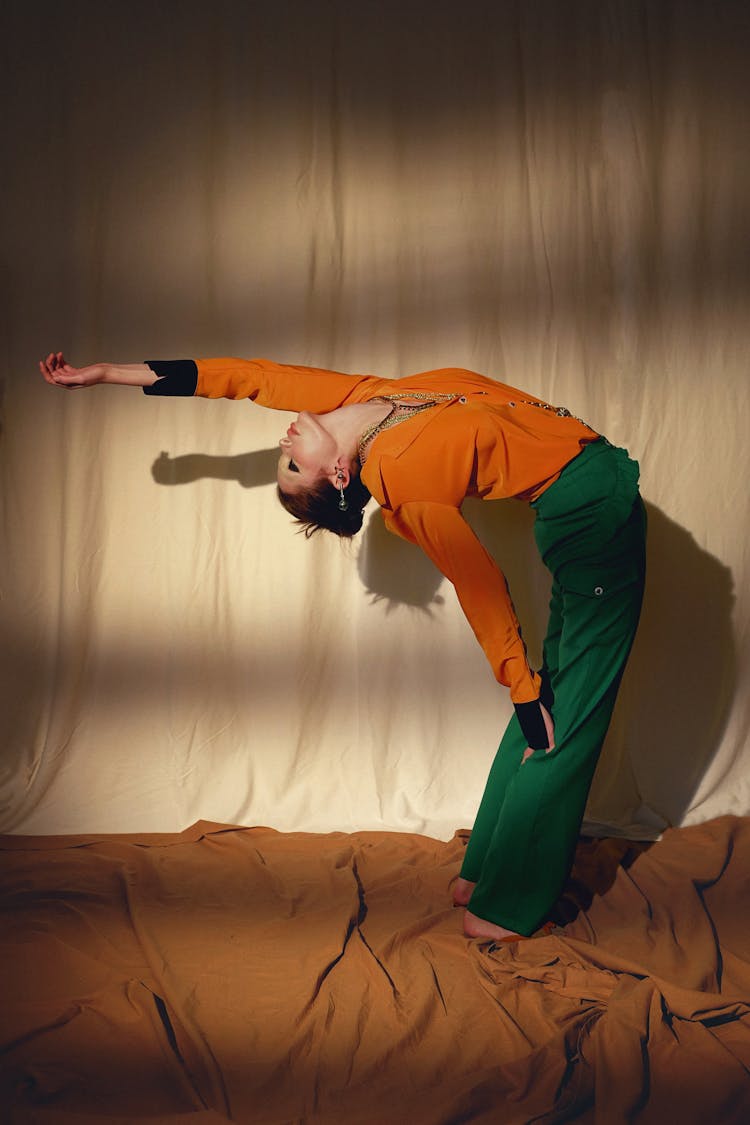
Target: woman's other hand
{"points": [[59, 373], [550, 727]]}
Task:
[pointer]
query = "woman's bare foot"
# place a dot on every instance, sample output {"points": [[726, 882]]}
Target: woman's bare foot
{"points": [[462, 892], [475, 927]]}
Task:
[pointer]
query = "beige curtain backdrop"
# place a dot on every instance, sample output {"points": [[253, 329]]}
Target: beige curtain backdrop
{"points": [[553, 194]]}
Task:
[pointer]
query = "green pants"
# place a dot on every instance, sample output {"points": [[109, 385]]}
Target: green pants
{"points": [[590, 529]]}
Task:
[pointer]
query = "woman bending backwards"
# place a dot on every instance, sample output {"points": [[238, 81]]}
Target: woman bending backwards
{"points": [[420, 445]]}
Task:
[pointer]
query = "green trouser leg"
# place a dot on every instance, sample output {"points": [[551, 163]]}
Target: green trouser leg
{"points": [[507, 760], [524, 838]]}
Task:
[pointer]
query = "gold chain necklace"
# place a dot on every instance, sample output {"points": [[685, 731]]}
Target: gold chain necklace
{"points": [[560, 411], [399, 413]]}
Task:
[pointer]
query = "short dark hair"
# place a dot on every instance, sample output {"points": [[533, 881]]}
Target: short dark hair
{"points": [[317, 508]]}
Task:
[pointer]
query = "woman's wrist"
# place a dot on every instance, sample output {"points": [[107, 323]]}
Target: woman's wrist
{"points": [[127, 374]]}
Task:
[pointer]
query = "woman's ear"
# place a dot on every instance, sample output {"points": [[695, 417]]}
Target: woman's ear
{"points": [[341, 474]]}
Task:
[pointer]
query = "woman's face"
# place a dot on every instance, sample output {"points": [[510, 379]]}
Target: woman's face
{"points": [[308, 452]]}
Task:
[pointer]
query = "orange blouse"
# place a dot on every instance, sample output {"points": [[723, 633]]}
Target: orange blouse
{"points": [[488, 440]]}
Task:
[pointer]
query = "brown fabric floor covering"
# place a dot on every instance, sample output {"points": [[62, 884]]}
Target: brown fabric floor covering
{"points": [[243, 974]]}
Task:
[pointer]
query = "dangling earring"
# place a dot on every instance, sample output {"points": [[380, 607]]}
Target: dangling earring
{"points": [[343, 502]]}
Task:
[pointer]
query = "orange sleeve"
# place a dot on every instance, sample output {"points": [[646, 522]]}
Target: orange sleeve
{"points": [[278, 385], [443, 534]]}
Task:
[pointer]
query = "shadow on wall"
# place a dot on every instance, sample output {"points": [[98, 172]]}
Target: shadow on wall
{"points": [[682, 671], [680, 680], [249, 469]]}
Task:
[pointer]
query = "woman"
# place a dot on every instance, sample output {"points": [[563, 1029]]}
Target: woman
{"points": [[420, 445]]}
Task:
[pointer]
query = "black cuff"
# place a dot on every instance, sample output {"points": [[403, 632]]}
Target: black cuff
{"points": [[531, 721], [546, 694], [176, 377]]}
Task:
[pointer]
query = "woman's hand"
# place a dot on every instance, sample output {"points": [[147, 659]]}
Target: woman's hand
{"points": [[550, 726], [59, 373]]}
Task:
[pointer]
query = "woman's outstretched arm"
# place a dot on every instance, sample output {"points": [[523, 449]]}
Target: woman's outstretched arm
{"points": [[277, 385], [59, 373]]}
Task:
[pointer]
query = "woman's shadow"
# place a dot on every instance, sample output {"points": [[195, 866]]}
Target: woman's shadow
{"points": [[680, 679]]}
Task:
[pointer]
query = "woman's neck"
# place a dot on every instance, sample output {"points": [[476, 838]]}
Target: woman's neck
{"points": [[347, 424]]}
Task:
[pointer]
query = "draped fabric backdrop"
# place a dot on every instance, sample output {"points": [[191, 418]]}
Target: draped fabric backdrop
{"points": [[553, 194]]}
